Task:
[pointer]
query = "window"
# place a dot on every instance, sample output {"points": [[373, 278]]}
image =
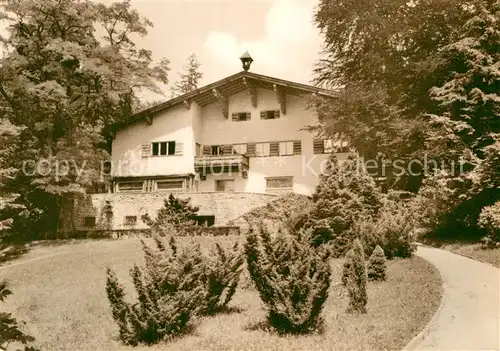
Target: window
{"points": [[167, 148], [207, 221], [224, 185], [241, 116], [216, 150], [262, 149], [240, 149], [327, 146], [198, 149], [131, 186], [89, 222], [286, 148], [271, 114], [130, 220], [170, 185], [281, 183]]}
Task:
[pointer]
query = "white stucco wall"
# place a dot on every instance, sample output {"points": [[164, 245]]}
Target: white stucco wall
{"points": [[174, 124], [207, 126]]}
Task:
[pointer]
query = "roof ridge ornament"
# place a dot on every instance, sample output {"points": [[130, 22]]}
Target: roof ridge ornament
{"points": [[246, 60]]}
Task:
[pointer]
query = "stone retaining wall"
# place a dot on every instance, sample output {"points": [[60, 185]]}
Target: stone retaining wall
{"points": [[110, 210]]}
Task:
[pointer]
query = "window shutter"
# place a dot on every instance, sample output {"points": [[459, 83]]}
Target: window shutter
{"points": [[276, 113], [263, 115], [227, 149], [207, 150], [179, 148], [251, 149], [146, 150], [274, 149], [249, 116], [297, 147], [319, 146], [234, 116]]}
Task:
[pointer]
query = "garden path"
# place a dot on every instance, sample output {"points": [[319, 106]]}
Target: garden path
{"points": [[468, 318]]}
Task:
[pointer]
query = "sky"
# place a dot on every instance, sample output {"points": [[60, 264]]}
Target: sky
{"points": [[279, 35]]}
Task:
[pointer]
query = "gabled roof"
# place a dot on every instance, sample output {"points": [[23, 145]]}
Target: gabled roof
{"points": [[229, 86]]}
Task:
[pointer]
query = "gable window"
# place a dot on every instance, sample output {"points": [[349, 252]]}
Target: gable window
{"points": [[270, 114], [89, 222], [241, 116], [130, 220], [279, 183], [166, 148], [173, 186], [131, 186], [224, 185]]}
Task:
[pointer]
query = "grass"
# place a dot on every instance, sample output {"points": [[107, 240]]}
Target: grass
{"points": [[60, 293], [475, 251]]}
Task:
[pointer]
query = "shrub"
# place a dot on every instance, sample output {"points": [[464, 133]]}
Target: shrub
{"points": [[356, 278], [9, 327], [274, 213], [393, 231], [377, 268], [291, 276], [489, 220], [169, 291], [176, 216], [346, 267], [345, 193], [222, 274]]}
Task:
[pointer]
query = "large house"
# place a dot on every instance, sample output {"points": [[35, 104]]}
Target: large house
{"points": [[230, 146]]}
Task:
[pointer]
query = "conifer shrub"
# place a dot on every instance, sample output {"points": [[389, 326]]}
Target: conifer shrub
{"points": [[291, 276], [393, 230], [377, 267], [176, 216], [169, 289], [9, 327], [222, 274], [345, 194], [355, 278]]}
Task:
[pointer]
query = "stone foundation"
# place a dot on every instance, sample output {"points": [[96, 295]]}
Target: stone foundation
{"points": [[110, 210]]}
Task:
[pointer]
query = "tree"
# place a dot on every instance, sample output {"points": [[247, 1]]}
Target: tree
{"points": [[345, 193], [190, 77], [177, 215], [355, 278], [377, 268], [433, 78], [66, 85]]}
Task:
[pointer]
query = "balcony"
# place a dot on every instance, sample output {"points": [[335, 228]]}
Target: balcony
{"points": [[221, 163]]}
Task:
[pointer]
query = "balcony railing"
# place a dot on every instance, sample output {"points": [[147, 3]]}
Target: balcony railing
{"points": [[221, 163]]}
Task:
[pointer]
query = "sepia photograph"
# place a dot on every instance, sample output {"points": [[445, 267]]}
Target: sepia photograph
{"points": [[249, 175]]}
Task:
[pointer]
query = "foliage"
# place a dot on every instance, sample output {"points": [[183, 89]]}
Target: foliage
{"points": [[9, 327], [190, 77], [355, 278], [490, 221], [291, 276], [222, 274], [377, 268], [346, 193], [284, 209], [65, 85], [169, 294], [393, 230], [426, 89], [176, 216]]}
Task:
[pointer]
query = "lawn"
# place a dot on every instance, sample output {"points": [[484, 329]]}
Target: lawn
{"points": [[475, 251], [59, 292]]}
